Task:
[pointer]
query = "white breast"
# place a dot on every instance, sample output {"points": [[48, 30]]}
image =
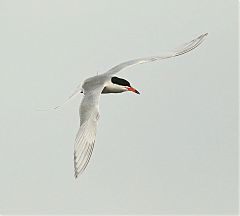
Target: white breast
{"points": [[113, 88]]}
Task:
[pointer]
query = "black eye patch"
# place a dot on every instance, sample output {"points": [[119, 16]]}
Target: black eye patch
{"points": [[120, 81]]}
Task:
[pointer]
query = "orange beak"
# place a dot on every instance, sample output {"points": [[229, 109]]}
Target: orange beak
{"points": [[133, 90]]}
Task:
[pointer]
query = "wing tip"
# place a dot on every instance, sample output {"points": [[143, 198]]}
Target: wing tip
{"points": [[75, 175], [203, 35]]}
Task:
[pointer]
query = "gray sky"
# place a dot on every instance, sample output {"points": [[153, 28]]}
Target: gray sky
{"points": [[171, 150]]}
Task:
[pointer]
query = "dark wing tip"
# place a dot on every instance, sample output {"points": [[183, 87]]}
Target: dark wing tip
{"points": [[75, 166], [75, 175]]}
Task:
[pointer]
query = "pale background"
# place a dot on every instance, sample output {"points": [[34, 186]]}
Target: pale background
{"points": [[171, 150]]}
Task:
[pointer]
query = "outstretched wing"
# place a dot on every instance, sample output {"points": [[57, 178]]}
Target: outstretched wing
{"points": [[185, 48], [85, 138]]}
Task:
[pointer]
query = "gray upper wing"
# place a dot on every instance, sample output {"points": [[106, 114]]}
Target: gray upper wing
{"points": [[85, 138], [185, 48]]}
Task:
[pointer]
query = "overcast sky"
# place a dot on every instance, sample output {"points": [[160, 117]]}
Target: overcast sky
{"points": [[171, 150]]}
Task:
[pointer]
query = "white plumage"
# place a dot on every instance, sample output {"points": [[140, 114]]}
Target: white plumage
{"points": [[92, 89]]}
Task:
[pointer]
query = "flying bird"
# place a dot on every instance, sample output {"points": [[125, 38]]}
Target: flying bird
{"points": [[106, 83]]}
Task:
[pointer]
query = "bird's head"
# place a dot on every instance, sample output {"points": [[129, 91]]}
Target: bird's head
{"points": [[123, 84]]}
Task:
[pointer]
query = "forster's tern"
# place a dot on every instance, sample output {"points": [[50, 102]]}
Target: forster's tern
{"points": [[105, 83]]}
